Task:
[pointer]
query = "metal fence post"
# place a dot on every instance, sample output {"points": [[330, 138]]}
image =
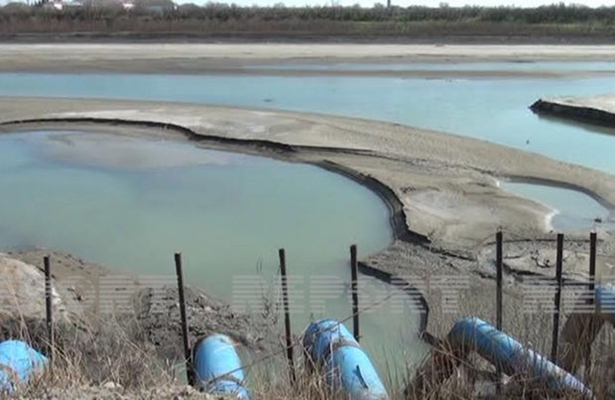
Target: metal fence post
{"points": [[48, 307], [289, 343], [558, 295], [184, 319], [355, 291]]}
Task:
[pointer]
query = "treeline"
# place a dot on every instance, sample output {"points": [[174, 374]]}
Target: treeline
{"points": [[559, 13], [556, 13], [148, 16]]}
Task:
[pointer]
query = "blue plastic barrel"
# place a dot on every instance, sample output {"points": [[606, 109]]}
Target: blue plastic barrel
{"points": [[501, 349], [18, 363], [218, 368], [347, 367]]}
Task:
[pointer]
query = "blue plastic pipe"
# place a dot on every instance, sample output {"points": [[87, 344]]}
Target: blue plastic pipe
{"points": [[605, 295], [346, 365], [218, 368], [18, 363], [474, 334]]}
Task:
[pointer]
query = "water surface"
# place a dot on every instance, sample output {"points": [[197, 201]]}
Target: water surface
{"points": [[491, 109], [543, 66], [130, 203], [572, 210]]}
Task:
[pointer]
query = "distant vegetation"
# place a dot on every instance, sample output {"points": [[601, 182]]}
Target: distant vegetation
{"points": [[162, 17]]}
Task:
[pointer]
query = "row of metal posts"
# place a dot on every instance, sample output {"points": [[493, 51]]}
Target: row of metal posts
{"points": [[184, 318], [558, 291], [355, 300]]}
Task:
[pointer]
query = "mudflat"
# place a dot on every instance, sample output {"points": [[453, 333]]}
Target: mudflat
{"points": [[239, 58], [604, 102], [592, 110], [446, 185], [442, 189]]}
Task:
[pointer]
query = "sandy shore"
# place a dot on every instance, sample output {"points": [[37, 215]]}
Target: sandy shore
{"points": [[441, 189], [446, 185], [238, 58]]}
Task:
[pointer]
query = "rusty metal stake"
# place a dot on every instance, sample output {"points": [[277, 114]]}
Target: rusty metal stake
{"points": [[593, 238], [184, 319], [289, 343], [558, 295], [48, 307], [355, 291], [498, 300]]}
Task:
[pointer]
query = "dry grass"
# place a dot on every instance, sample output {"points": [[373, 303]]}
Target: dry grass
{"points": [[105, 351], [112, 350], [117, 350], [475, 377]]}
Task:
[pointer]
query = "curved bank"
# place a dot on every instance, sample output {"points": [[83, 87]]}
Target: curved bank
{"points": [[400, 164]]}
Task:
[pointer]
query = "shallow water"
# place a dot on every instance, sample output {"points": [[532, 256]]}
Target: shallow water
{"points": [[131, 203], [448, 66], [572, 210], [490, 109]]}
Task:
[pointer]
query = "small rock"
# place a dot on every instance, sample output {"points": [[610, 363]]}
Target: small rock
{"points": [[112, 386]]}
